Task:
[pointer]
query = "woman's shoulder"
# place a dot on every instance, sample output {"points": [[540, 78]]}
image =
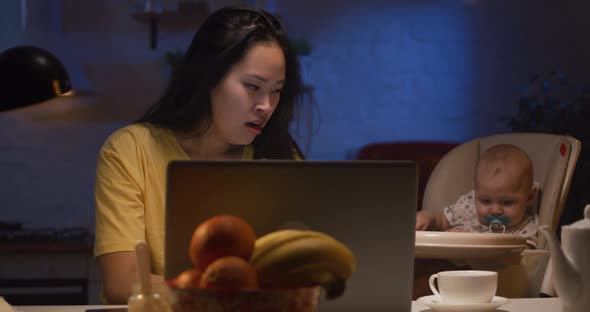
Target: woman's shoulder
{"points": [[137, 132], [133, 135]]}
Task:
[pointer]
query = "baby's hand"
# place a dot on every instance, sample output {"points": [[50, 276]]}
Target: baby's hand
{"points": [[423, 220], [457, 229]]}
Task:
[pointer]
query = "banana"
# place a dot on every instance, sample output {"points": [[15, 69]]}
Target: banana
{"points": [[310, 275], [295, 258], [271, 240]]}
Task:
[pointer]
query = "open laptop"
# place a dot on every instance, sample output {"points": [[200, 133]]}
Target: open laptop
{"points": [[368, 205]]}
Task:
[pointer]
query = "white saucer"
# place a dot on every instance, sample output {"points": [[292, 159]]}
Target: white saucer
{"points": [[434, 303]]}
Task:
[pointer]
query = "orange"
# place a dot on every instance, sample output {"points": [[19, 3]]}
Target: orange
{"points": [[221, 236], [188, 279], [229, 273]]}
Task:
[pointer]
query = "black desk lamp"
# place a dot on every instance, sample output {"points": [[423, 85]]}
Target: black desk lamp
{"points": [[30, 75]]}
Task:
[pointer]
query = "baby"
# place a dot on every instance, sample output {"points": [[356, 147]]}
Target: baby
{"points": [[504, 192]]}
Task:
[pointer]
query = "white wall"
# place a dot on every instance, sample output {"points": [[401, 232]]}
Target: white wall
{"points": [[430, 70], [48, 152]]}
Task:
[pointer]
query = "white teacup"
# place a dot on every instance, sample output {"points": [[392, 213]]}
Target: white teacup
{"points": [[465, 287]]}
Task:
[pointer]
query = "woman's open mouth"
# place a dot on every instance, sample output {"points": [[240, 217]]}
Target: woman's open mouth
{"points": [[255, 127]]}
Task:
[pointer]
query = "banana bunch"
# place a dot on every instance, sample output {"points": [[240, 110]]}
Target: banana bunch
{"points": [[297, 258]]}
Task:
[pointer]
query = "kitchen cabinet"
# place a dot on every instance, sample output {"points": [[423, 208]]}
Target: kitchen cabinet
{"points": [[48, 273]]}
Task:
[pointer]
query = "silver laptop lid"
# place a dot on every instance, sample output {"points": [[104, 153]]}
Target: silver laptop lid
{"points": [[368, 205]]}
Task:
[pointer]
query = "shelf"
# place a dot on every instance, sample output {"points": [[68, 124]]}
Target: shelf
{"points": [[46, 247], [188, 18]]}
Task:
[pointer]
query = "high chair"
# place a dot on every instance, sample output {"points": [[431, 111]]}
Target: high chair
{"points": [[554, 158]]}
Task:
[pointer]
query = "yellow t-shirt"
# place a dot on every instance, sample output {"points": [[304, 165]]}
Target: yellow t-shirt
{"points": [[130, 189]]}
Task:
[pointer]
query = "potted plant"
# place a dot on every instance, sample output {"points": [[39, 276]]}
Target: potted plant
{"points": [[553, 104]]}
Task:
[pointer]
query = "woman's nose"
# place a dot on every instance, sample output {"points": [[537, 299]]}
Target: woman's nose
{"points": [[263, 104]]}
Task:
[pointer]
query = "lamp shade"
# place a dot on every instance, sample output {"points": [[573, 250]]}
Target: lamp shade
{"points": [[29, 75]]}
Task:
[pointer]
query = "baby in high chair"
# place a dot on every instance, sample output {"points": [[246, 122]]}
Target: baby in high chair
{"points": [[501, 201]]}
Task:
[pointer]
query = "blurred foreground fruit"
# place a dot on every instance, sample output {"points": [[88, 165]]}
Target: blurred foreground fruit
{"points": [[221, 236], [188, 279], [229, 273], [295, 258]]}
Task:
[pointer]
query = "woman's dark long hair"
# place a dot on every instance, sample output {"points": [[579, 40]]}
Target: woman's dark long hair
{"points": [[222, 41]]}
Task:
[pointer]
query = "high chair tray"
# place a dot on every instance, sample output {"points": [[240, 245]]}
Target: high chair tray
{"points": [[457, 245]]}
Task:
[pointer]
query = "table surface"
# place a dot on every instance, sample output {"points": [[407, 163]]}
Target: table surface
{"points": [[515, 305]]}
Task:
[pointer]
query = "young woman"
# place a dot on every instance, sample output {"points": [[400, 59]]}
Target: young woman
{"points": [[233, 97]]}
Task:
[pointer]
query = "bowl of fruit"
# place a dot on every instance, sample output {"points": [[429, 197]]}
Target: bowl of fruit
{"points": [[297, 299], [285, 270]]}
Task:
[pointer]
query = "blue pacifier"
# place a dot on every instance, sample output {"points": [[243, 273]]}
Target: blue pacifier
{"points": [[497, 224]]}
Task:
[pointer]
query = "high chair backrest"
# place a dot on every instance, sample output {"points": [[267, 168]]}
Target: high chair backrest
{"points": [[554, 158]]}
